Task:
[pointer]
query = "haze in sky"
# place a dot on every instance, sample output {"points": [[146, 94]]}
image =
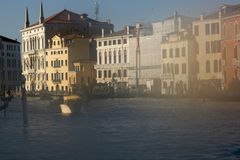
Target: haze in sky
{"points": [[121, 12]]}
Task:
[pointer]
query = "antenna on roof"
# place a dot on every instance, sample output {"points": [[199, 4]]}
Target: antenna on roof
{"points": [[96, 10]]}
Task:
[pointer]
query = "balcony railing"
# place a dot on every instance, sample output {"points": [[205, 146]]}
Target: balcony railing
{"points": [[56, 81], [57, 66], [236, 62]]}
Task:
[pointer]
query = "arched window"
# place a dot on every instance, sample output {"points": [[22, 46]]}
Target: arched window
{"points": [[125, 56], [100, 58], [110, 57], [168, 68], [114, 57], [216, 66], [105, 57], [164, 68], [119, 57], [220, 65], [208, 66]]}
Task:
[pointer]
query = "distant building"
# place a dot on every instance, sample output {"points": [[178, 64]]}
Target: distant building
{"points": [[67, 56], [230, 44], [35, 36], [207, 32], [172, 24], [178, 63], [10, 65], [150, 49], [113, 56]]}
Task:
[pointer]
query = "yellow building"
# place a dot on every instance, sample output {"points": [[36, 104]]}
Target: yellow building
{"points": [[207, 31], [60, 58]]}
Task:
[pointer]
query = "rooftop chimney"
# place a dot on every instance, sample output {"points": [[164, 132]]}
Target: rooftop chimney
{"points": [[102, 32], [69, 17], [202, 17], [128, 30]]}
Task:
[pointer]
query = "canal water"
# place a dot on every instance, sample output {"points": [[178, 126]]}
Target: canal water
{"points": [[124, 129]]}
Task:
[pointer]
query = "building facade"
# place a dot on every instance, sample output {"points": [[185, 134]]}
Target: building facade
{"points": [[230, 45], [150, 49], [178, 63], [207, 32], [35, 40], [61, 59], [113, 56], [10, 65]]}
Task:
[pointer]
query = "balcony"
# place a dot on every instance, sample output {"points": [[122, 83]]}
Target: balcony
{"points": [[236, 63], [56, 81], [57, 66]]}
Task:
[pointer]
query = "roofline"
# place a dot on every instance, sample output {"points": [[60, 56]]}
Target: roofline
{"points": [[8, 40]]}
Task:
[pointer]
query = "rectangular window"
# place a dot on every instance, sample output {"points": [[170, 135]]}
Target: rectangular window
{"points": [[99, 44], [207, 29], [125, 41], [105, 74], [164, 53], [119, 41], [66, 76], [196, 30], [99, 74], [177, 52], [183, 51], [176, 69], [114, 42], [171, 53], [207, 47], [105, 43], [184, 68], [109, 74]]}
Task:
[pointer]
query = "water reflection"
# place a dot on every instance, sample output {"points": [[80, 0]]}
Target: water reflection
{"points": [[125, 129]]}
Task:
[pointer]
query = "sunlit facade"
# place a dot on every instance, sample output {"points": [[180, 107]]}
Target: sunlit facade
{"points": [[61, 58], [113, 56], [35, 40], [207, 32]]}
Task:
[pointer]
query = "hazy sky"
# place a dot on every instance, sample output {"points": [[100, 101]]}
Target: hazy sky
{"points": [[121, 12]]}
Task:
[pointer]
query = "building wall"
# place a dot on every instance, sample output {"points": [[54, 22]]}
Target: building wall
{"points": [[150, 59], [10, 66], [209, 49], [230, 49], [113, 59], [35, 42], [178, 59], [60, 60]]}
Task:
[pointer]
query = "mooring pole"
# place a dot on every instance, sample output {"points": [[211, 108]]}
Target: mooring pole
{"points": [[24, 103]]}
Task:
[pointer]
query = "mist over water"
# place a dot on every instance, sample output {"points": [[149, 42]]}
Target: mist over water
{"points": [[125, 129]]}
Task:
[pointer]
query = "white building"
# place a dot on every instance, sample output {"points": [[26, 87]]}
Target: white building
{"points": [[150, 49], [178, 63], [35, 36], [10, 65], [113, 56]]}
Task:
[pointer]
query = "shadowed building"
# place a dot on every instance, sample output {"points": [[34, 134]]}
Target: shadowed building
{"points": [[10, 65], [35, 36]]}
